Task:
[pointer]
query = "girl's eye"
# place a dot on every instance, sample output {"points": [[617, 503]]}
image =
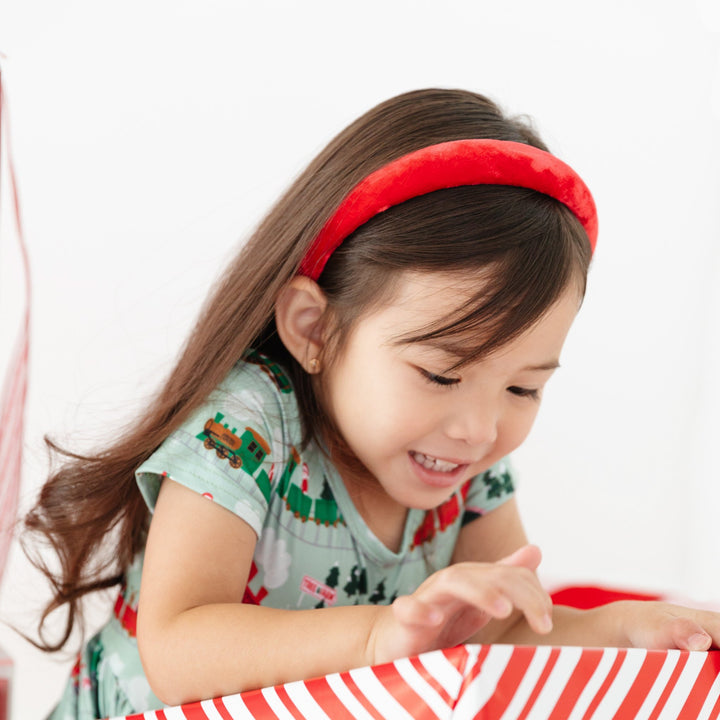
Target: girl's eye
{"points": [[524, 392], [438, 379]]}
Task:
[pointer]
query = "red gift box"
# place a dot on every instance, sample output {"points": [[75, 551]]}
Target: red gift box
{"points": [[490, 681], [485, 682]]}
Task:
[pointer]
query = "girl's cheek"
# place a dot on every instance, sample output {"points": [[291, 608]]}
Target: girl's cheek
{"points": [[523, 429]]}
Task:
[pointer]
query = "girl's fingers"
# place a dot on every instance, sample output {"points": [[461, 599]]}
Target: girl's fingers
{"points": [[696, 630], [528, 556], [495, 589], [410, 610], [454, 603], [698, 640], [676, 632], [662, 626]]}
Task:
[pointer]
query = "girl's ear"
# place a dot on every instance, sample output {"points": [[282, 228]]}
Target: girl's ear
{"points": [[298, 316]]}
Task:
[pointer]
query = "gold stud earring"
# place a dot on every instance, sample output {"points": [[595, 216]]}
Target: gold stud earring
{"points": [[314, 364]]}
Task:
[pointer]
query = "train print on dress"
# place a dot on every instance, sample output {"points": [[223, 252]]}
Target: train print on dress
{"points": [[249, 450], [271, 369], [245, 451], [322, 510]]}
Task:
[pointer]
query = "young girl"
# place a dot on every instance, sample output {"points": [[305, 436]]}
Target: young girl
{"points": [[322, 483]]}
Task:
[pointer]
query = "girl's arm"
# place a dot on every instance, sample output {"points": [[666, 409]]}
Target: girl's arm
{"points": [[620, 624], [627, 623], [197, 640]]}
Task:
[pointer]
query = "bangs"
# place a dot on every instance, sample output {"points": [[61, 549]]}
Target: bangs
{"points": [[521, 249], [489, 320]]}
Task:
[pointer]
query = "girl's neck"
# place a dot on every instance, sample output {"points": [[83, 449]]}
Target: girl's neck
{"points": [[384, 516]]}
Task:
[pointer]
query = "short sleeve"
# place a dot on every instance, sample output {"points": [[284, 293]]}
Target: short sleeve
{"points": [[225, 450], [489, 490]]}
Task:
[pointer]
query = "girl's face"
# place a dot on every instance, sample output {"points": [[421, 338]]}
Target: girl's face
{"points": [[420, 429]]}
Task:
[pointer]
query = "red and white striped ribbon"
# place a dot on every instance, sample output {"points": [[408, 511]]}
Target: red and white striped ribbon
{"points": [[12, 401], [473, 682]]}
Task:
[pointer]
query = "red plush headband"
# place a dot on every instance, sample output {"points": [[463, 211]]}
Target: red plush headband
{"points": [[452, 164]]}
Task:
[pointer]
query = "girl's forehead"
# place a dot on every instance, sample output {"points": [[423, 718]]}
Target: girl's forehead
{"points": [[424, 297], [422, 302], [441, 290]]}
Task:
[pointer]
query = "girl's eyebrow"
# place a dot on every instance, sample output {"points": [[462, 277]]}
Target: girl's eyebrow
{"points": [[447, 348], [550, 365], [450, 349]]}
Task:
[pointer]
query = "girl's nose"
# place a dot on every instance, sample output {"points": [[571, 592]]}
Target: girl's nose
{"points": [[476, 424]]}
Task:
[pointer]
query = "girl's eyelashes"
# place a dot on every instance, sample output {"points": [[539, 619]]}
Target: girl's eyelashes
{"points": [[438, 379], [444, 381], [531, 393]]}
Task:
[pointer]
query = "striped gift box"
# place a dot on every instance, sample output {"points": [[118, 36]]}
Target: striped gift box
{"points": [[489, 681]]}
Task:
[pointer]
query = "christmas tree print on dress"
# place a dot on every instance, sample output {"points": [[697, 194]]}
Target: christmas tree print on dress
{"points": [[357, 582], [331, 581], [378, 594], [498, 482], [323, 510], [326, 509]]}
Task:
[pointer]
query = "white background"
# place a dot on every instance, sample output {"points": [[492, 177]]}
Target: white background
{"points": [[150, 136]]}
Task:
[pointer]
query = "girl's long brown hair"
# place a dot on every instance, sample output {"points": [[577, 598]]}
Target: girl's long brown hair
{"points": [[90, 510]]}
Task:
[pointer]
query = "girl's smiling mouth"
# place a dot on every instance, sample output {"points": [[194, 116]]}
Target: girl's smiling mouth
{"points": [[433, 463], [434, 471]]}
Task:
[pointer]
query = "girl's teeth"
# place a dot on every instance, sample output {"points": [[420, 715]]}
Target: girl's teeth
{"points": [[432, 463]]}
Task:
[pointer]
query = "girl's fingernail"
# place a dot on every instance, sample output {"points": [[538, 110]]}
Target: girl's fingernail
{"points": [[546, 623], [699, 641]]}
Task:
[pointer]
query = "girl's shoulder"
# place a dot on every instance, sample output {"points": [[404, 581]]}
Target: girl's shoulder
{"points": [[258, 372], [228, 447], [488, 490], [257, 388], [262, 367]]}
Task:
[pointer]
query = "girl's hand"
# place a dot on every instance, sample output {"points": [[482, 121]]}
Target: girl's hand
{"points": [[662, 626], [455, 602]]}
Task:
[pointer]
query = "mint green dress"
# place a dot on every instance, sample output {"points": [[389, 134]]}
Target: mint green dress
{"points": [[242, 450]]}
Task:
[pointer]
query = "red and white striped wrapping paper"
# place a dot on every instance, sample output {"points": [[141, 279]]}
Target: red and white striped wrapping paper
{"points": [[490, 681]]}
